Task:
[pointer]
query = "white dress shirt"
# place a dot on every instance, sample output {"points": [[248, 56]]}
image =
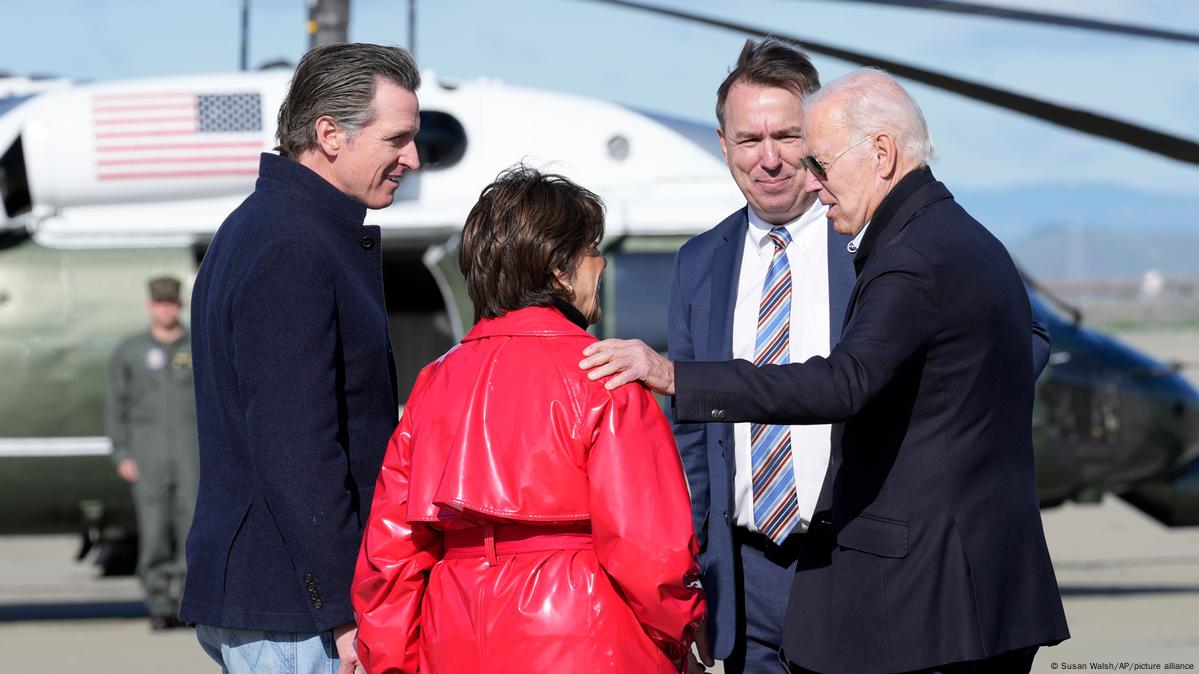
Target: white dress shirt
{"points": [[854, 245], [807, 256]]}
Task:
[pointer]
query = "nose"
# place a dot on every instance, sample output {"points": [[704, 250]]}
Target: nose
{"points": [[811, 184], [409, 157], [770, 159]]}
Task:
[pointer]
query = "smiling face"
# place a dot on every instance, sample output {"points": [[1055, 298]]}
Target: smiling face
{"points": [[368, 166], [763, 144]]}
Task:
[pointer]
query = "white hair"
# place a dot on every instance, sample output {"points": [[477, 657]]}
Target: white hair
{"points": [[871, 101]]}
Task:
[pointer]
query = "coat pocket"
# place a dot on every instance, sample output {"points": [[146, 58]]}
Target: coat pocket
{"points": [[875, 535]]}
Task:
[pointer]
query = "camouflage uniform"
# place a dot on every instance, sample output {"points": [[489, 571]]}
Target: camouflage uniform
{"points": [[152, 419]]}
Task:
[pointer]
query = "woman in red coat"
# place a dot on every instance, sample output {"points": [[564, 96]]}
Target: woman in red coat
{"points": [[526, 519]]}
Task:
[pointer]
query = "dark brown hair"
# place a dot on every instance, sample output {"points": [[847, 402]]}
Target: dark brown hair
{"points": [[526, 225], [338, 80], [770, 63]]}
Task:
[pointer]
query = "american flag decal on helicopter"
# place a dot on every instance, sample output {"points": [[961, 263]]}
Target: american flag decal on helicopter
{"points": [[180, 134]]}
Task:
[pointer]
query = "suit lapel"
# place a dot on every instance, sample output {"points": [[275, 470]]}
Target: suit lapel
{"points": [[726, 268]]}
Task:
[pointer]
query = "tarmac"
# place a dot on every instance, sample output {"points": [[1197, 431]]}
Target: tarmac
{"points": [[1130, 586]]}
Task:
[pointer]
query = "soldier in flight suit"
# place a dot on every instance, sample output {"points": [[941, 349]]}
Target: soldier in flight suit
{"points": [[152, 424]]}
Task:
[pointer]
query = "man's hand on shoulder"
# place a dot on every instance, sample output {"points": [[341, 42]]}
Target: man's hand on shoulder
{"points": [[628, 360]]}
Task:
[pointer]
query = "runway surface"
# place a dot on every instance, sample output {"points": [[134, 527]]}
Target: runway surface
{"points": [[1131, 588]]}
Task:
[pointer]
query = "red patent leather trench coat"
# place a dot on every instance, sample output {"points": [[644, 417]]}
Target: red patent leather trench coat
{"points": [[526, 519]]}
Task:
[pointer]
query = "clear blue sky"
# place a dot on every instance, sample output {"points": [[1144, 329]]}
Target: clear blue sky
{"points": [[671, 67]]}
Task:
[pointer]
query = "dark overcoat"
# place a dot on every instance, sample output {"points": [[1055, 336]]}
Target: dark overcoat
{"points": [[295, 401], [939, 553]]}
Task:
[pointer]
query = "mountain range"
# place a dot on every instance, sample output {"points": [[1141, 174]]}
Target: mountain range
{"points": [[1087, 231]]}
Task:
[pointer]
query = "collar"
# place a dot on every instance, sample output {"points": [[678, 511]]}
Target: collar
{"points": [[801, 229], [529, 321], [854, 245], [310, 189], [881, 221], [182, 337]]}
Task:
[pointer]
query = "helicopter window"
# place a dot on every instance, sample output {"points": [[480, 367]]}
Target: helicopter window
{"points": [[9, 102], [14, 184], [441, 141]]}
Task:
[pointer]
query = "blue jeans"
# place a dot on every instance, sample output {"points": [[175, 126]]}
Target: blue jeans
{"points": [[250, 651]]}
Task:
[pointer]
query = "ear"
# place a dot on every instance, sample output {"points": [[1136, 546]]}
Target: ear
{"points": [[330, 137], [724, 150], [886, 155], [563, 281]]}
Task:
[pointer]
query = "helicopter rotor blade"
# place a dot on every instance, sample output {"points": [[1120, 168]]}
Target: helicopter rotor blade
{"points": [[1076, 119], [1044, 18]]}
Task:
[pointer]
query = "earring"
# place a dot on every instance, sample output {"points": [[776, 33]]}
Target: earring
{"points": [[569, 288]]}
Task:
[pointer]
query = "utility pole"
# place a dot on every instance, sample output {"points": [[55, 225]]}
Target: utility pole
{"points": [[412, 28], [328, 22], [245, 34]]}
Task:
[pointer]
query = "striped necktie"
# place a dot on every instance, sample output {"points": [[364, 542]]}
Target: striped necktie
{"points": [[776, 508]]}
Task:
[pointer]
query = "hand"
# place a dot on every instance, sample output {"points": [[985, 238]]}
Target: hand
{"points": [[701, 657], [127, 469], [344, 638], [628, 360]]}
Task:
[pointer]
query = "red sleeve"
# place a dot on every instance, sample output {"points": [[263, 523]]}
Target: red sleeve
{"points": [[641, 518], [393, 564]]}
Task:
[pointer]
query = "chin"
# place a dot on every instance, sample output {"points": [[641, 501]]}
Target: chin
{"points": [[381, 202]]}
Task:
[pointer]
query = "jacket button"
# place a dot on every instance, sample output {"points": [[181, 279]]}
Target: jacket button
{"points": [[308, 578], [367, 242], [317, 604], [312, 587], [718, 414], [314, 595]]}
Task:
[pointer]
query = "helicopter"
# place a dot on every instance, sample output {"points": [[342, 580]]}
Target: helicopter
{"points": [[103, 187]]}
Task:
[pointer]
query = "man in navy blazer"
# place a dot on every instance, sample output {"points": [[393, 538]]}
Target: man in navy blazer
{"points": [[939, 561], [714, 302], [295, 384]]}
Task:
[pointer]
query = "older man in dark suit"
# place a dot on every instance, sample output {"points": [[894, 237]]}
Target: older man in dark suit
{"points": [[939, 562], [295, 384]]}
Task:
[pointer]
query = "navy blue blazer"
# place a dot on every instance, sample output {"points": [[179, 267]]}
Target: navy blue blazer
{"points": [[295, 401], [703, 293], [939, 553]]}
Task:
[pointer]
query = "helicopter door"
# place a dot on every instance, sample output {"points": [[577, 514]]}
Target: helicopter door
{"points": [[442, 262], [421, 327]]}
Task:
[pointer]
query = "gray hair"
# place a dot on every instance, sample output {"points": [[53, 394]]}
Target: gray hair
{"points": [[338, 80], [872, 101]]}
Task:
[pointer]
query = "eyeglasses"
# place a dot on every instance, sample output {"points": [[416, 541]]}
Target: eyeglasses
{"points": [[819, 168]]}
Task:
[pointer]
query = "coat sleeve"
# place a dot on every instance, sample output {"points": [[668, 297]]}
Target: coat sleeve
{"points": [[1041, 343], [284, 344], [692, 438], [117, 405], [393, 564], [640, 519], [894, 319]]}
